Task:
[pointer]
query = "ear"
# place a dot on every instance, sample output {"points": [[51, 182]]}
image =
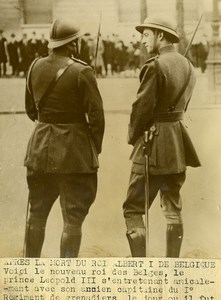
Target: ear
{"points": [[71, 44], [161, 35]]}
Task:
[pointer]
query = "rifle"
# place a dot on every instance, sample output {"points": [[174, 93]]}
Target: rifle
{"points": [[148, 136], [98, 38], [192, 38]]}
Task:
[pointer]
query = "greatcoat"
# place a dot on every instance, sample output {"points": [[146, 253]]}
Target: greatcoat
{"points": [[69, 131], [161, 80]]}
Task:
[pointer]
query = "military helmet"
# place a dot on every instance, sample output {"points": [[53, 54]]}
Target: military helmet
{"points": [[160, 22], [63, 32]]}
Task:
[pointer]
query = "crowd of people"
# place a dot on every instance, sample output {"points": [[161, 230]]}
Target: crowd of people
{"points": [[109, 56], [18, 54], [113, 56]]}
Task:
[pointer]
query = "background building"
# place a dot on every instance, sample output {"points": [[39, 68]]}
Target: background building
{"points": [[117, 15]]}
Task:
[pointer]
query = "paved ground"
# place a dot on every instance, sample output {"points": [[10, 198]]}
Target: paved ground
{"points": [[104, 232]]}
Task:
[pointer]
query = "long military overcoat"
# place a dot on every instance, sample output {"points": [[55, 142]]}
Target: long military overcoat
{"points": [[161, 80], [69, 131]]}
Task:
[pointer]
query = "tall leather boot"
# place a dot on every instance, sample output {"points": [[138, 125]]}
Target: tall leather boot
{"points": [[136, 235], [174, 237], [136, 239], [34, 238], [70, 242]]}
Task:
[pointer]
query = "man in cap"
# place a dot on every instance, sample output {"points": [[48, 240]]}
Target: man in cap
{"points": [[166, 85], [62, 155]]}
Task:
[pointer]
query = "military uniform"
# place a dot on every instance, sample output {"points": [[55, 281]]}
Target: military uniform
{"points": [[162, 79], [62, 154], [63, 141]]}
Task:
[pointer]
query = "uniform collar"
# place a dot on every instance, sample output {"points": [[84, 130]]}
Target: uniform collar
{"points": [[165, 49]]}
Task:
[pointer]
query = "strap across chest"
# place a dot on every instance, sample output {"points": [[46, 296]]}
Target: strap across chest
{"points": [[41, 102], [182, 90]]}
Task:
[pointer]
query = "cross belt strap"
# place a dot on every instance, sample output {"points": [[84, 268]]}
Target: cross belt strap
{"points": [[180, 94], [182, 90], [52, 84], [39, 104]]}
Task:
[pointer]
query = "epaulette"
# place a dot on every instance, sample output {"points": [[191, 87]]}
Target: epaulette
{"points": [[79, 61], [151, 59]]}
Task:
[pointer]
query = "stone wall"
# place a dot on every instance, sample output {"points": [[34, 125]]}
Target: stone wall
{"points": [[10, 15], [118, 16]]}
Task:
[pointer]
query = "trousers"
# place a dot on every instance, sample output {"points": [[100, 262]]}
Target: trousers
{"points": [[170, 199], [77, 193]]}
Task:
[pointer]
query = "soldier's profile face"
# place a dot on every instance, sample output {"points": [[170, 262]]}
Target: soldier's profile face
{"points": [[148, 40]]}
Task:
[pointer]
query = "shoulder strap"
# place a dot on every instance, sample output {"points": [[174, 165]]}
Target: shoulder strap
{"points": [[52, 84], [80, 61], [151, 59], [180, 94]]}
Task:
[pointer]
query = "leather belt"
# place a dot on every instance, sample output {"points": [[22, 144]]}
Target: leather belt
{"points": [[61, 118], [168, 117]]}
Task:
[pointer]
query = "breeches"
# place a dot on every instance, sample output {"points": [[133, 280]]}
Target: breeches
{"points": [[77, 192], [170, 199]]}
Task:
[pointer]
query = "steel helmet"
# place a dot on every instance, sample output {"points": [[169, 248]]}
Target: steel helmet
{"points": [[160, 22], [63, 32]]}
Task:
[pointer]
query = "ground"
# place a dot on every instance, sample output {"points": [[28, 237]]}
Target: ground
{"points": [[104, 229]]}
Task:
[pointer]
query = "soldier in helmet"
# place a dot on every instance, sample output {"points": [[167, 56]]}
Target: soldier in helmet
{"points": [[63, 99], [166, 85]]}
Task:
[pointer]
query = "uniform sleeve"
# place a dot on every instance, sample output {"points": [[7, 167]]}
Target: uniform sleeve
{"points": [[30, 108], [144, 105], [93, 106]]}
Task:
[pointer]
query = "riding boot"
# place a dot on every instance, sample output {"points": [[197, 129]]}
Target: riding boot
{"points": [[174, 237], [70, 242], [34, 238], [136, 235]]}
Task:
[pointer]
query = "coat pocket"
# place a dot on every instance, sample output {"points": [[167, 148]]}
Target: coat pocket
{"points": [[137, 153]]}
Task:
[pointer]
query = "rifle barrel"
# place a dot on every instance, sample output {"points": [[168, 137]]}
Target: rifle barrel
{"points": [[194, 33]]}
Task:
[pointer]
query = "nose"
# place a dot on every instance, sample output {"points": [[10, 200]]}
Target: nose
{"points": [[144, 39]]}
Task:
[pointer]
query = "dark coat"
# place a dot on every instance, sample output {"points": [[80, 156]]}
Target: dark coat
{"points": [[33, 46], [161, 80], [24, 60], [43, 48], [69, 138], [3, 56], [13, 53]]}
